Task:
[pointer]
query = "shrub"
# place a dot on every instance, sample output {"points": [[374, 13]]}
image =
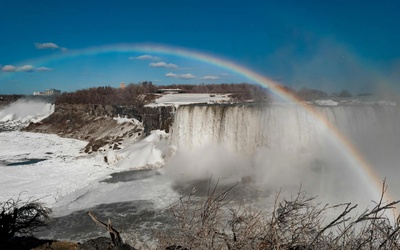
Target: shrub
{"points": [[297, 223], [21, 218]]}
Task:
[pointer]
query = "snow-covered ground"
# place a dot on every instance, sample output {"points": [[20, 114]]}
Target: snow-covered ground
{"points": [[67, 180], [54, 171], [57, 172], [182, 99]]}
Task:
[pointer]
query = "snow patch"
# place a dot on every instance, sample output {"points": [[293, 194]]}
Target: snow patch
{"points": [[326, 103], [141, 155], [121, 120], [184, 99]]}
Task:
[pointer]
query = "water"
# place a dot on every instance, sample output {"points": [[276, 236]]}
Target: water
{"points": [[134, 220], [25, 162], [260, 149], [283, 146], [131, 175]]}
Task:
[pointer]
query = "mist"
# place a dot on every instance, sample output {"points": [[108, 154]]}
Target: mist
{"points": [[24, 110], [325, 63], [283, 149]]}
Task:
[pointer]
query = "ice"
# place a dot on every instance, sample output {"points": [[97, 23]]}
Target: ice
{"points": [[68, 180], [143, 154], [58, 175], [7, 118]]}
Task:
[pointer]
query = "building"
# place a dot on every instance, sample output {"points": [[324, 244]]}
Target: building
{"points": [[52, 92], [122, 85], [48, 92]]}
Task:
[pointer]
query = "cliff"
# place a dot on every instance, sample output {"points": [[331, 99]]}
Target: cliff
{"points": [[103, 125]]}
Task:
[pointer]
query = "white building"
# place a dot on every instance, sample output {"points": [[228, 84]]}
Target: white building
{"points": [[48, 92]]}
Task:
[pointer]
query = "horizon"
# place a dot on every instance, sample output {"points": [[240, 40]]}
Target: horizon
{"points": [[329, 46]]}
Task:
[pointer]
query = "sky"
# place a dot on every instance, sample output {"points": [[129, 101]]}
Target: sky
{"points": [[326, 45]]}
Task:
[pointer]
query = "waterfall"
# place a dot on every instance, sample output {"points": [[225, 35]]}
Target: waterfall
{"points": [[244, 128], [285, 144], [20, 113]]}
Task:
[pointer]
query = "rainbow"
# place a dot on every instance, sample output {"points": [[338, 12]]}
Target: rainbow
{"points": [[364, 170]]}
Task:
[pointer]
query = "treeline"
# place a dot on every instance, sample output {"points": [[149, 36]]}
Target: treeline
{"points": [[238, 91], [137, 94], [142, 93], [131, 95]]}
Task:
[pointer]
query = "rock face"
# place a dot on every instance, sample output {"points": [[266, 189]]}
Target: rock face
{"points": [[96, 123]]}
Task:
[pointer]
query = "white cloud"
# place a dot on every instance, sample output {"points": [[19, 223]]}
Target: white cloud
{"points": [[8, 68], [164, 65], [44, 69], [226, 74], [180, 76], [210, 77], [145, 57], [26, 68], [48, 46]]}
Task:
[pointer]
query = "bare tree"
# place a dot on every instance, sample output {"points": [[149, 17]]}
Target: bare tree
{"points": [[296, 223], [21, 218]]}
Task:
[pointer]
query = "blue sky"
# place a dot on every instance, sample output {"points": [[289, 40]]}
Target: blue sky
{"points": [[329, 45]]}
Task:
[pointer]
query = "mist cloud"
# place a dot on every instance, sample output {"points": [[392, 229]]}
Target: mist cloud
{"points": [[308, 61]]}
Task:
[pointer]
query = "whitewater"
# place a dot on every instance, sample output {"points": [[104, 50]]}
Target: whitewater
{"points": [[276, 147]]}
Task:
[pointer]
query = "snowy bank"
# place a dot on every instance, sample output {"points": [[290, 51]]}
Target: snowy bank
{"points": [[184, 99]]}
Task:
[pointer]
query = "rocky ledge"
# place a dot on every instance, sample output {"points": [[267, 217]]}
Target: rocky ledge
{"points": [[104, 126]]}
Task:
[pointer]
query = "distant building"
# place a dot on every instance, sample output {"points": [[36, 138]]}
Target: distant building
{"points": [[122, 85], [48, 92], [52, 92], [170, 91]]}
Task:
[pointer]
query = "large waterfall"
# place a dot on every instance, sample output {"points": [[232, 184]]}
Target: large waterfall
{"points": [[285, 145]]}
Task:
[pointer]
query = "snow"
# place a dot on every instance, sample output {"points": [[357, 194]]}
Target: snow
{"points": [[68, 180], [8, 117], [62, 171], [141, 155], [182, 99], [121, 120], [326, 103]]}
